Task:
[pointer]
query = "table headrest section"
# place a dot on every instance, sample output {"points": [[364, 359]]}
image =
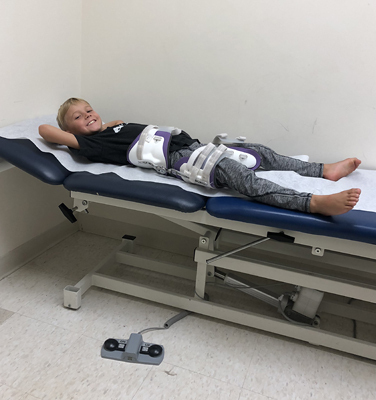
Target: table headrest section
{"points": [[355, 225], [154, 194], [25, 155]]}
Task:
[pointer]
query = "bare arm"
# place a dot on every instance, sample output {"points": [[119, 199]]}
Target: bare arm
{"points": [[56, 135]]}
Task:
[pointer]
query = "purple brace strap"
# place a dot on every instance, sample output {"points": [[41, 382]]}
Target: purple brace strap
{"points": [[166, 145]]}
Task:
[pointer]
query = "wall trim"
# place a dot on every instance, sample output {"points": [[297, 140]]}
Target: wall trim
{"points": [[21, 255]]}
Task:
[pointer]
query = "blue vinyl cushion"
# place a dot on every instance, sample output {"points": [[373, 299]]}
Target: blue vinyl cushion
{"points": [[25, 155], [355, 225], [155, 194]]}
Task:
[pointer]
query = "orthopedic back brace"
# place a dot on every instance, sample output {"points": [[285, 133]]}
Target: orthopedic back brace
{"points": [[151, 149]]}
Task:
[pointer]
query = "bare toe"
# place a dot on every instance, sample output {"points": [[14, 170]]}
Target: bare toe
{"points": [[335, 204]]}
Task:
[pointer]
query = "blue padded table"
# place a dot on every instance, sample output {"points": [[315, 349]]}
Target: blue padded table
{"points": [[354, 225], [150, 193], [25, 155], [220, 223]]}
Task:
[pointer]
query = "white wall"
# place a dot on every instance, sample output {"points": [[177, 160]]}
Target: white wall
{"points": [[40, 65], [40, 53], [30, 220], [296, 75]]}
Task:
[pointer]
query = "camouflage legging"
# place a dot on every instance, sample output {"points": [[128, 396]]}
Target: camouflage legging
{"points": [[232, 174]]}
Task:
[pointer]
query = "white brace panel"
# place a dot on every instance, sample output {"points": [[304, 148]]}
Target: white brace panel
{"points": [[148, 151], [201, 163]]}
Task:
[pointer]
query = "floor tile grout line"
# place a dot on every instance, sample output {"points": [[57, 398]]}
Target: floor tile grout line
{"points": [[20, 391], [205, 376], [249, 366], [146, 376], [80, 334]]}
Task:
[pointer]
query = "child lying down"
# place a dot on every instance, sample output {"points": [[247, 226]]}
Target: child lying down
{"points": [[84, 133]]}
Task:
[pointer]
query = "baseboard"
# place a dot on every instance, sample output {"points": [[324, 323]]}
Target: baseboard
{"points": [[19, 256], [5, 165]]}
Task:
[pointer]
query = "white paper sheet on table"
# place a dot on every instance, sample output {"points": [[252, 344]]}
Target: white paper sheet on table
{"points": [[363, 179]]}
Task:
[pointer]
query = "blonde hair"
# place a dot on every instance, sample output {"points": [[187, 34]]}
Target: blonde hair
{"points": [[64, 109]]}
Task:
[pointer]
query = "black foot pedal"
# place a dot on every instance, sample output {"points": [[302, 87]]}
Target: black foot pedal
{"points": [[68, 213]]}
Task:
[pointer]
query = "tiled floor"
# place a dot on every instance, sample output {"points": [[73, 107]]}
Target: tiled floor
{"points": [[49, 352]]}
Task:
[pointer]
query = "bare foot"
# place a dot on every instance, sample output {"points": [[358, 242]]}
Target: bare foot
{"points": [[338, 170], [335, 204]]}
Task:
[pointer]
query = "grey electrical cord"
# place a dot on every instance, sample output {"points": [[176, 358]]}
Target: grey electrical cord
{"points": [[168, 323], [288, 318], [185, 313]]}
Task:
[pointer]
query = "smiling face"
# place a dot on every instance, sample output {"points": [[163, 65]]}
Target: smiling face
{"points": [[81, 119]]}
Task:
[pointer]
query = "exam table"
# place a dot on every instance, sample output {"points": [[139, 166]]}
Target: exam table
{"points": [[238, 242]]}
